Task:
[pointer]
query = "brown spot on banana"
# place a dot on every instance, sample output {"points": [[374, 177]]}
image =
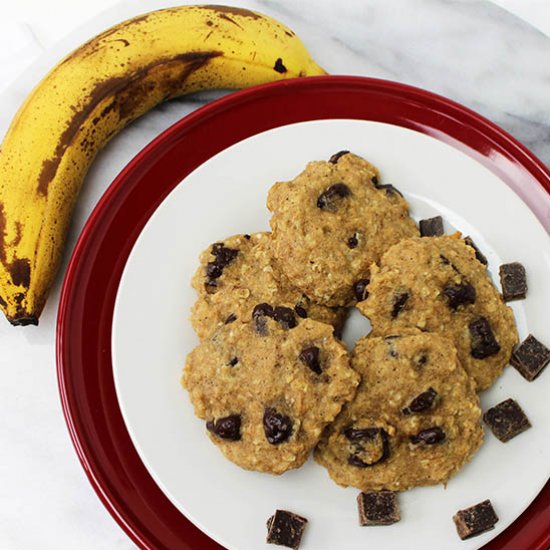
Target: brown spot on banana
{"points": [[20, 271], [227, 18], [107, 88], [232, 11]]}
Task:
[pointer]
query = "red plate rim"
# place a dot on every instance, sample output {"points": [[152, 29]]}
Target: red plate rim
{"points": [[83, 344]]}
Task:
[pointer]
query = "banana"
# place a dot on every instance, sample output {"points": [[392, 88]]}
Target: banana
{"points": [[91, 95]]}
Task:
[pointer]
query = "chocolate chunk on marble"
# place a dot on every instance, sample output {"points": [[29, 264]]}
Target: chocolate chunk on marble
{"points": [[513, 281], [285, 529], [506, 420], [475, 520], [431, 227], [530, 358], [479, 255], [378, 508]]}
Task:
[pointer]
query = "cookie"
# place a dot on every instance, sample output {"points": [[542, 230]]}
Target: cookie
{"points": [[268, 388], [415, 419], [331, 223], [235, 275], [438, 285]]}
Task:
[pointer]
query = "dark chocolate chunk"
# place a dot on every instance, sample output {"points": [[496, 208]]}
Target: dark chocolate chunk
{"points": [[513, 281], [479, 255], [475, 520], [353, 241], [360, 289], [228, 427], [285, 529], [336, 157], [224, 255], [310, 357], [277, 426], [213, 270], [369, 446], [374, 181], [506, 420], [230, 319], [246, 236], [420, 359], [459, 294], [259, 316], [388, 187], [279, 66], [398, 303], [421, 402], [378, 508], [431, 227], [233, 361], [285, 317], [327, 199], [300, 311], [483, 340], [530, 358], [429, 436]]}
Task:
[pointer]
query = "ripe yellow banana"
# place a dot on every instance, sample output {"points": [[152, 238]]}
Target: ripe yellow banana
{"points": [[92, 94]]}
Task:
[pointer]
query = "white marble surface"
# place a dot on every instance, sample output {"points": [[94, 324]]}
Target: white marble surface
{"points": [[471, 51]]}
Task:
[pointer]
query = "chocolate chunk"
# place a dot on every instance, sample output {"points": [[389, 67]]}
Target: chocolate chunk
{"points": [[459, 294], [336, 157], [370, 446], [327, 199], [259, 316], [398, 303], [353, 241], [483, 340], [513, 281], [310, 357], [300, 311], [224, 255], [420, 359], [378, 508], [360, 289], [210, 286], [506, 420], [388, 187], [479, 255], [530, 358], [279, 66], [432, 227], [277, 426], [475, 520], [233, 361], [421, 402], [429, 436], [213, 270], [228, 427], [285, 529], [246, 236], [285, 317], [374, 181], [230, 319]]}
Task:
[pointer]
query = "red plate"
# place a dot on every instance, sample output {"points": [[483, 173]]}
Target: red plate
{"points": [[87, 300]]}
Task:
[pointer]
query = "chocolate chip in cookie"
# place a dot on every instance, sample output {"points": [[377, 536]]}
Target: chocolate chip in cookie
{"points": [[429, 436], [459, 294], [360, 289], [277, 426], [399, 302], [310, 357], [228, 427], [479, 255], [421, 402], [259, 316], [369, 446], [285, 317], [353, 241], [337, 156], [484, 343], [329, 198]]}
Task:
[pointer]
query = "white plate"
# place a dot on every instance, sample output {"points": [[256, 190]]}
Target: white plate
{"points": [[152, 335]]}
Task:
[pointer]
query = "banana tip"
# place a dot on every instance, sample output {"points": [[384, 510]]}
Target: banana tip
{"points": [[24, 321]]}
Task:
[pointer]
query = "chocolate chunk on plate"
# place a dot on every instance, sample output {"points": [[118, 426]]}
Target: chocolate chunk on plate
{"points": [[431, 227], [479, 255], [530, 358], [506, 420], [475, 520], [513, 281], [285, 529], [378, 508]]}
